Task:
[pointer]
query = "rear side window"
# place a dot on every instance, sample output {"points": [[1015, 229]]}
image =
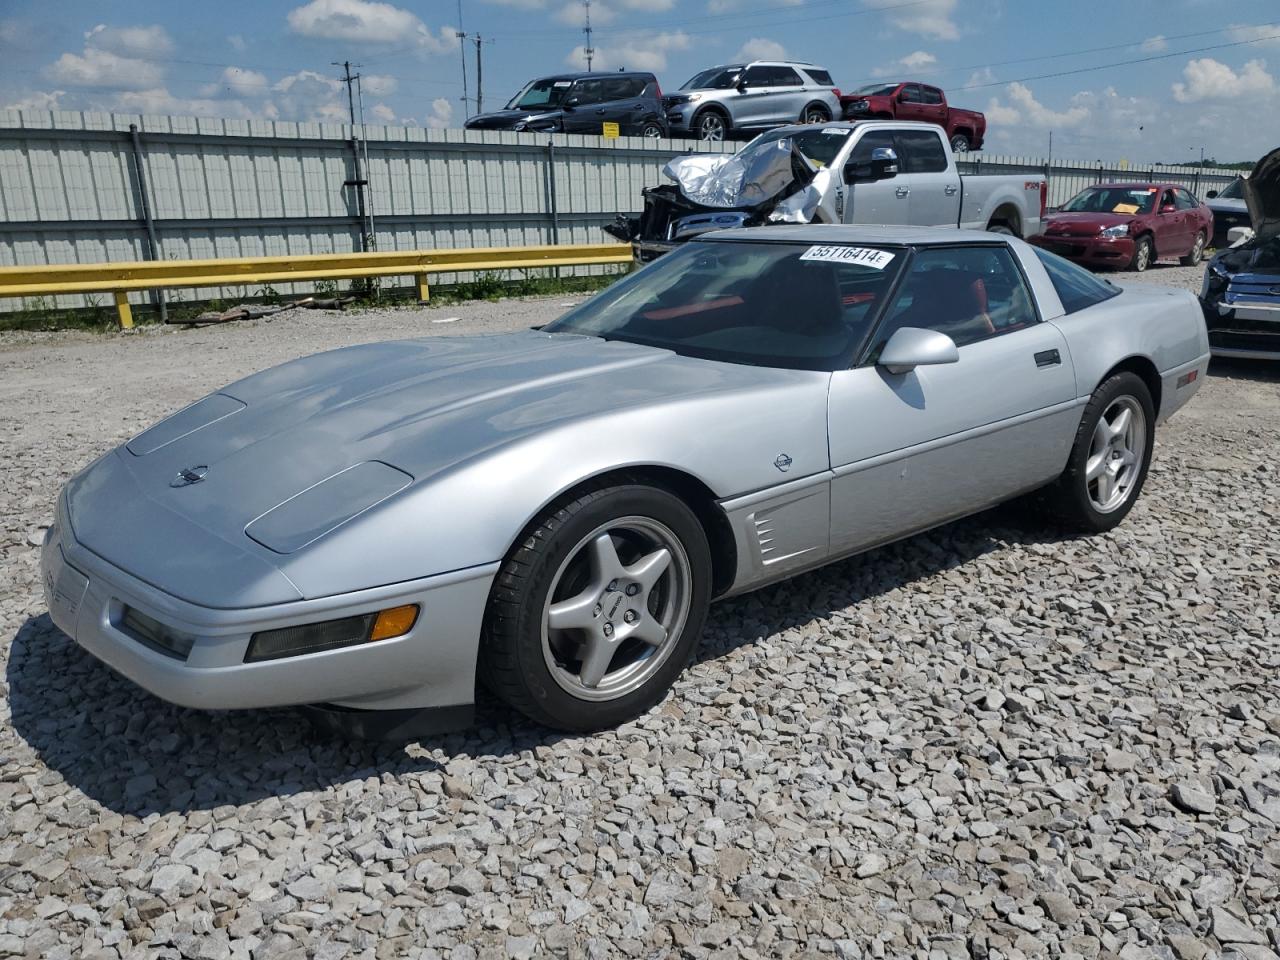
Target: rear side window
{"points": [[921, 151], [1076, 287], [820, 77], [932, 95], [623, 88]]}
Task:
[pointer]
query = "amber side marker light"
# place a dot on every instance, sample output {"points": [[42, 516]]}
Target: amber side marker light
{"points": [[331, 634]]}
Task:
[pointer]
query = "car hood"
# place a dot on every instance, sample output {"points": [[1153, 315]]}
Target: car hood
{"points": [[1223, 205], [287, 456], [1083, 224], [1262, 195], [509, 118]]}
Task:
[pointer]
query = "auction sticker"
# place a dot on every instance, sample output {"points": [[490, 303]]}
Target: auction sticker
{"points": [[865, 256]]}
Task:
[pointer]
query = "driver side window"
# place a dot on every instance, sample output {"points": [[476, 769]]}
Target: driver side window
{"points": [[968, 293], [756, 77], [588, 91]]}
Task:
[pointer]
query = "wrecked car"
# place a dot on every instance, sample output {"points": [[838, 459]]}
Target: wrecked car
{"points": [[1241, 291], [873, 172]]}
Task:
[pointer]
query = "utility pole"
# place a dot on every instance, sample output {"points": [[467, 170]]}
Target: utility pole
{"points": [[358, 181], [479, 41], [462, 55], [588, 50]]}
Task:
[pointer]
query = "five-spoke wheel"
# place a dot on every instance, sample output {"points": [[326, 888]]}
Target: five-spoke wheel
{"points": [[1116, 454]]}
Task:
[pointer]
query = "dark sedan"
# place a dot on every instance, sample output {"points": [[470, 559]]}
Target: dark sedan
{"points": [[1129, 226], [584, 103]]}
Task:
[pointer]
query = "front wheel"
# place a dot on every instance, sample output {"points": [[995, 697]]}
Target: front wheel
{"points": [[1197, 251], [1110, 457], [815, 113], [597, 610], [1142, 255], [960, 143], [711, 127]]}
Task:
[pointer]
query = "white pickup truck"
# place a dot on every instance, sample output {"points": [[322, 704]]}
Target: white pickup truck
{"points": [[866, 172]]}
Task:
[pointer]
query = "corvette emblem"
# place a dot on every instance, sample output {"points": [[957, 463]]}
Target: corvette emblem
{"points": [[783, 462], [187, 477]]}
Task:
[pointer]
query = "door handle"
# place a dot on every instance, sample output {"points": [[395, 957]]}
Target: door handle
{"points": [[600, 113], [1048, 358], [950, 190], [902, 192]]}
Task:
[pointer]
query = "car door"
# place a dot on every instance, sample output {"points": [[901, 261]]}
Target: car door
{"points": [[912, 450], [933, 105], [885, 201], [934, 200], [910, 103], [619, 104], [1167, 225], [582, 118], [788, 96], [1192, 218], [751, 103]]}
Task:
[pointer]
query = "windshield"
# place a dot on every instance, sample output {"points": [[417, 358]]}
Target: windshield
{"points": [[797, 306], [877, 90], [717, 78], [545, 93], [1123, 200], [819, 144], [1233, 191]]}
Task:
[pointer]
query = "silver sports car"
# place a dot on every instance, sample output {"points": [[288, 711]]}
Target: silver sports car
{"points": [[550, 512]]}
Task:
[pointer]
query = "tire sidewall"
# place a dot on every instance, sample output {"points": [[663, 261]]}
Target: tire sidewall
{"points": [[1137, 264], [724, 125], [1118, 385], [554, 705]]}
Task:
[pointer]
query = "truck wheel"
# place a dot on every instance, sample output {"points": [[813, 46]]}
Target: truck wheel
{"points": [[711, 126], [1143, 254], [960, 143], [1000, 228]]}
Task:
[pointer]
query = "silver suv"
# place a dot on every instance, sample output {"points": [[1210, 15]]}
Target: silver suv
{"points": [[751, 97]]}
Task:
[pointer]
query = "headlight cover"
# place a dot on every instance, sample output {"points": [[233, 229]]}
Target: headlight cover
{"points": [[331, 634], [1119, 230]]}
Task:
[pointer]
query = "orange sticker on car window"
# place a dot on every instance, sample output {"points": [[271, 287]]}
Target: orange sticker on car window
{"points": [[1125, 208]]}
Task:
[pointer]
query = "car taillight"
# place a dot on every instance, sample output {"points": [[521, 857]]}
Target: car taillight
{"points": [[1044, 197], [657, 86], [836, 91]]}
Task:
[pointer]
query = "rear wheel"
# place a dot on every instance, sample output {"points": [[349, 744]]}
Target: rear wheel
{"points": [[652, 130], [597, 610], [1110, 457], [1002, 228], [711, 126], [1143, 254], [1197, 251], [815, 113], [960, 143]]}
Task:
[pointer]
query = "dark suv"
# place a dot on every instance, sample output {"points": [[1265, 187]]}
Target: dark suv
{"points": [[583, 103]]}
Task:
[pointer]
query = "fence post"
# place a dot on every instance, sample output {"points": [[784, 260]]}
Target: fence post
{"points": [[144, 201], [424, 290], [123, 311], [551, 190]]}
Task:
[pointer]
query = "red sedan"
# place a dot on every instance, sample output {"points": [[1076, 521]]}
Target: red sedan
{"points": [[1129, 225]]}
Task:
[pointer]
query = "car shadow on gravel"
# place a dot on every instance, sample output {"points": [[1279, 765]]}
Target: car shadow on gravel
{"points": [[135, 754]]}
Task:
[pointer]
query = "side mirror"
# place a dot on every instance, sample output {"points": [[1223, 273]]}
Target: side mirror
{"points": [[571, 102], [1212, 194], [1169, 208], [742, 86], [912, 347], [902, 97], [883, 166]]}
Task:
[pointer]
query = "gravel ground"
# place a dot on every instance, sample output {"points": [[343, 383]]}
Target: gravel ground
{"points": [[987, 741]]}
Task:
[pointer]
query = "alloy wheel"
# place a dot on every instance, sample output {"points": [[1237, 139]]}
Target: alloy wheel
{"points": [[711, 127], [652, 131], [616, 608], [1116, 451], [814, 115]]}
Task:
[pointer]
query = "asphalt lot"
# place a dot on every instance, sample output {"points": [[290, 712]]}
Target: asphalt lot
{"points": [[986, 741]]}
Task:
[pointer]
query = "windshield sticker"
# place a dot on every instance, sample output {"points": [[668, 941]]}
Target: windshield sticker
{"points": [[836, 132], [563, 83], [865, 256]]}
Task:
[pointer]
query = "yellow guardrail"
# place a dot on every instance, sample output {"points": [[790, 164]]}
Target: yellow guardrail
{"points": [[120, 278]]}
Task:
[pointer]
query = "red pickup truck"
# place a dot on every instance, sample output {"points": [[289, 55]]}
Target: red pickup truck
{"points": [[916, 101]]}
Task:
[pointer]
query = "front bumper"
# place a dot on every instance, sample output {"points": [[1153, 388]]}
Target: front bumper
{"points": [[680, 117], [1243, 330], [1091, 251], [431, 666]]}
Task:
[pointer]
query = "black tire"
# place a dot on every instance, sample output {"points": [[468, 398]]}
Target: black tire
{"points": [[1143, 254], [706, 123], [652, 130], [514, 660], [1001, 228], [1069, 499], [1197, 251], [959, 143], [815, 113]]}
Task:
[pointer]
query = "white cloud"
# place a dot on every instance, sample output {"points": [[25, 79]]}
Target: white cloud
{"points": [[376, 85], [522, 4], [365, 21], [980, 78], [911, 63], [237, 82], [647, 52], [572, 14], [713, 6], [1024, 108], [1209, 79], [307, 95], [237, 43], [1264, 34], [758, 48], [45, 100], [441, 114], [384, 113], [149, 41], [160, 101], [928, 18], [105, 70], [1155, 44]]}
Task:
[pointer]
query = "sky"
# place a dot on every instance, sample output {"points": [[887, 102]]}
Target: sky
{"points": [[1143, 80]]}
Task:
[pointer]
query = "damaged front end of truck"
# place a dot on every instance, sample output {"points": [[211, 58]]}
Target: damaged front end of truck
{"points": [[1241, 291], [768, 181]]}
